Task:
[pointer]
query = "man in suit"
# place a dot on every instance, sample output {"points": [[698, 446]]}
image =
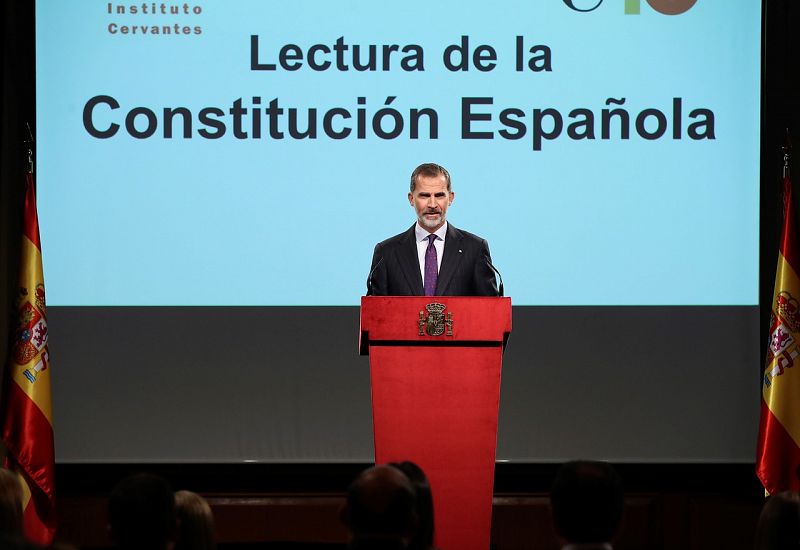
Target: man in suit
{"points": [[432, 258]]}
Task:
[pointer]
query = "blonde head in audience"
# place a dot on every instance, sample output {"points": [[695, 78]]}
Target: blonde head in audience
{"points": [[195, 522]]}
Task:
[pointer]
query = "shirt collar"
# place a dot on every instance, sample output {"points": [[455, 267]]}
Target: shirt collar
{"points": [[422, 234]]}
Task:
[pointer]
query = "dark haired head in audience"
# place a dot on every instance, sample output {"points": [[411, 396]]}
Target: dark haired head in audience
{"points": [[380, 509], [779, 523], [423, 537], [195, 522], [587, 501], [10, 505], [141, 513]]}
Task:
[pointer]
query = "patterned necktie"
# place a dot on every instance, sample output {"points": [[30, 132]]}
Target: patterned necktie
{"points": [[431, 267]]}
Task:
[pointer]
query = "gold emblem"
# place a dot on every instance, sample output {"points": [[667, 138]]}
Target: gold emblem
{"points": [[434, 322], [789, 310]]}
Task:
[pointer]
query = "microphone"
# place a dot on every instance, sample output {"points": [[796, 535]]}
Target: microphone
{"points": [[489, 263], [369, 277]]}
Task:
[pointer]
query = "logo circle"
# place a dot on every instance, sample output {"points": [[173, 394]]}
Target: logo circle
{"points": [[671, 7], [571, 4]]}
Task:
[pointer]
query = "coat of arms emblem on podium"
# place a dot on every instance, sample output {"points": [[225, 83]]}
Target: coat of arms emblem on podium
{"points": [[434, 322]]}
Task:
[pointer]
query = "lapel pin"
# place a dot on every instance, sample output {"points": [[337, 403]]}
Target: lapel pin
{"points": [[459, 251]]}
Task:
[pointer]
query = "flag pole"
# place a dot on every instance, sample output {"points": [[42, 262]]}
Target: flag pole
{"points": [[787, 149], [29, 142]]}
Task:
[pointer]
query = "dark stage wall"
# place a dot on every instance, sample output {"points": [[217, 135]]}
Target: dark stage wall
{"points": [[629, 384]]}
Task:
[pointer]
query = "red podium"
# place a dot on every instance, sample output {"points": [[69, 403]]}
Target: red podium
{"points": [[435, 364]]}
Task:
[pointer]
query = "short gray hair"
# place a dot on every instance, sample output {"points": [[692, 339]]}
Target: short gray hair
{"points": [[430, 170]]}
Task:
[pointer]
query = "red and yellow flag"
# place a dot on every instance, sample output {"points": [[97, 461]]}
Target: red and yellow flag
{"points": [[27, 415], [778, 455]]}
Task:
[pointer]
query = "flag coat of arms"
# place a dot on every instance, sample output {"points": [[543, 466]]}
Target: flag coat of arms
{"points": [[27, 411]]}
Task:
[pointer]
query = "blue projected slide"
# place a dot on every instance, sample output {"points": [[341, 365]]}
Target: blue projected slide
{"points": [[253, 153]]}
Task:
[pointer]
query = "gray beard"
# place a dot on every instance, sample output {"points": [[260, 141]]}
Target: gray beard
{"points": [[430, 224]]}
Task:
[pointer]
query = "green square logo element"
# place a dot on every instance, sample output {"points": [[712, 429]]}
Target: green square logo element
{"points": [[632, 7]]}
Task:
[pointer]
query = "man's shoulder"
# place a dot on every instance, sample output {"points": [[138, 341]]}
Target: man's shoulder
{"points": [[452, 232], [397, 239], [465, 235]]}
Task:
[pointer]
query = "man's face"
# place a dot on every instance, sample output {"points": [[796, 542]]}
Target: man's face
{"points": [[430, 199]]}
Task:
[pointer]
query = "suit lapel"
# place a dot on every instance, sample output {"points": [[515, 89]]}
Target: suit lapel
{"points": [[450, 260], [409, 261]]}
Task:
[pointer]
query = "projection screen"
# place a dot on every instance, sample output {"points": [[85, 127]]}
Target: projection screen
{"points": [[213, 178]]}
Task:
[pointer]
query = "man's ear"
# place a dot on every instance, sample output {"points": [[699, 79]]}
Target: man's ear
{"points": [[411, 199]]}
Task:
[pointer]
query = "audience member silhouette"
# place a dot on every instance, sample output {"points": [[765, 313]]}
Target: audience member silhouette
{"points": [[195, 522], [10, 505], [380, 510], [11, 523], [779, 523], [587, 502], [141, 513], [423, 536]]}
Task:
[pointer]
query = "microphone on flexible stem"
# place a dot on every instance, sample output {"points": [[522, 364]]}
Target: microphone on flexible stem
{"points": [[489, 263], [370, 288]]}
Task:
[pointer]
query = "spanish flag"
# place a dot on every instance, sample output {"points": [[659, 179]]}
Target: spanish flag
{"points": [[778, 454], [27, 415]]}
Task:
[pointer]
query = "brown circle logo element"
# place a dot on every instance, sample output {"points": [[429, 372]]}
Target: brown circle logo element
{"points": [[671, 7]]}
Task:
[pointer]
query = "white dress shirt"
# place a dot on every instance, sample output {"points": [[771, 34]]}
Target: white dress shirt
{"points": [[422, 246]]}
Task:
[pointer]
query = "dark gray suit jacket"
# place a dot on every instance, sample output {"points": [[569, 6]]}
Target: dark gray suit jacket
{"points": [[464, 270]]}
